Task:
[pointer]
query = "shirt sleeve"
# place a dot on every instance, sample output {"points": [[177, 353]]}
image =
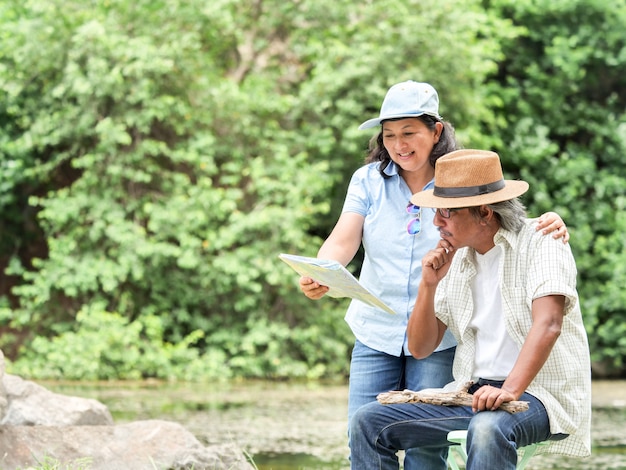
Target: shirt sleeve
{"points": [[442, 307], [554, 271], [357, 197]]}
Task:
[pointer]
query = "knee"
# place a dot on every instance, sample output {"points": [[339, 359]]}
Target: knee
{"points": [[483, 430], [360, 419]]}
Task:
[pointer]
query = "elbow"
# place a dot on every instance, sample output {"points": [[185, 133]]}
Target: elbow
{"points": [[554, 325], [550, 332], [423, 341], [553, 331], [420, 355], [420, 350]]}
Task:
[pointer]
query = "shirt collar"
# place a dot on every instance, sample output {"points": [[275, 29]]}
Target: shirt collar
{"points": [[392, 170], [504, 238]]}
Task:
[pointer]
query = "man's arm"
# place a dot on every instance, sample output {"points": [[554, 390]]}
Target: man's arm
{"points": [[547, 315], [425, 330]]}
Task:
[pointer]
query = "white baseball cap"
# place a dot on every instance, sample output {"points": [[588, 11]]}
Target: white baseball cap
{"points": [[407, 99]]}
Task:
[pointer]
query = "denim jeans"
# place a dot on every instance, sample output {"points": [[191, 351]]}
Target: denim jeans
{"points": [[378, 431], [373, 372]]}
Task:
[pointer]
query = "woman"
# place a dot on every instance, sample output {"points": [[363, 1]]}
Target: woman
{"points": [[395, 236]]}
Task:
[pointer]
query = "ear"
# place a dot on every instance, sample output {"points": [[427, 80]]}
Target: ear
{"points": [[438, 131], [486, 214]]}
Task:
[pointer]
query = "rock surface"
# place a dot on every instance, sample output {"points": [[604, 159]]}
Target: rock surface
{"points": [[140, 445], [39, 427], [29, 404]]}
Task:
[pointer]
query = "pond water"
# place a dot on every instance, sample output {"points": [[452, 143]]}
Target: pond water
{"points": [[302, 426]]}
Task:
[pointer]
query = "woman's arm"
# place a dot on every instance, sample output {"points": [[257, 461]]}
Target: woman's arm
{"points": [[341, 245], [345, 239]]}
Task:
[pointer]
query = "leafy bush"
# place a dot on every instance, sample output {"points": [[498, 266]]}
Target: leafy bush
{"points": [[107, 346], [156, 156], [562, 89]]}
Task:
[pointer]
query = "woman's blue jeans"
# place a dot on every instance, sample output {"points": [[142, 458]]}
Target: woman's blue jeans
{"points": [[373, 372], [378, 431]]}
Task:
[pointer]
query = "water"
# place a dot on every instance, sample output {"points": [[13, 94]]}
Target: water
{"points": [[289, 426]]}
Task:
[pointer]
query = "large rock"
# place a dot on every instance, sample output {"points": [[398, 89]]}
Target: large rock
{"points": [[40, 427], [30, 404], [140, 445]]}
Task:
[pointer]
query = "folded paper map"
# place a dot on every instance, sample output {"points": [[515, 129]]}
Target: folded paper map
{"points": [[340, 282]]}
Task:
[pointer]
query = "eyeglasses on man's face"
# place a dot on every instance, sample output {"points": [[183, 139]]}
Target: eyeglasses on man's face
{"points": [[445, 213], [415, 226]]}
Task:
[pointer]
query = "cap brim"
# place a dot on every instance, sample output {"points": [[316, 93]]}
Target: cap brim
{"points": [[376, 121], [511, 190]]}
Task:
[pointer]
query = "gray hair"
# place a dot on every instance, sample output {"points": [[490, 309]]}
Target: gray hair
{"points": [[511, 214]]}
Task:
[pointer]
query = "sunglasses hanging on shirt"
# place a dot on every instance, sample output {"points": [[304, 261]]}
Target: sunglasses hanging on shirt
{"points": [[415, 226]]}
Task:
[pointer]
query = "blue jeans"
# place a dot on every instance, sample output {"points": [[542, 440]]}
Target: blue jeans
{"points": [[378, 431], [373, 372]]}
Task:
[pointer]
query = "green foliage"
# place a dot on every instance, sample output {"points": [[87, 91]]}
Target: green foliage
{"points": [[168, 209], [157, 155], [563, 87], [168, 151], [107, 346]]}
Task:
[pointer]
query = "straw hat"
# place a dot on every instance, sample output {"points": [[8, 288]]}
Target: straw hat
{"points": [[466, 178]]}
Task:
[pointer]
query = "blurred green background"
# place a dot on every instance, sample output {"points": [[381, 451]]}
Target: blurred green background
{"points": [[157, 155]]}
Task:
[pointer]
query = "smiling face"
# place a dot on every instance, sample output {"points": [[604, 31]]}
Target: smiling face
{"points": [[409, 143]]}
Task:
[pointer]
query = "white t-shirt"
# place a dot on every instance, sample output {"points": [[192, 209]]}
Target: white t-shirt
{"points": [[496, 352]]}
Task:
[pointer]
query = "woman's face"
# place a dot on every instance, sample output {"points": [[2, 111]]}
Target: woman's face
{"points": [[409, 143]]}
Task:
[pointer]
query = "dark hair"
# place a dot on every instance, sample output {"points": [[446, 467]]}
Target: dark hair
{"points": [[447, 143]]}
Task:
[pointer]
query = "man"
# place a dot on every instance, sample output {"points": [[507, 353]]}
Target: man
{"points": [[509, 297]]}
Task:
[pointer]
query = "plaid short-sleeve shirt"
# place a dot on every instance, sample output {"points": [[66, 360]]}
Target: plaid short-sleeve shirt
{"points": [[532, 266]]}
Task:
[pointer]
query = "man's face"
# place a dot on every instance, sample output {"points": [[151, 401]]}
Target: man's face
{"points": [[460, 228]]}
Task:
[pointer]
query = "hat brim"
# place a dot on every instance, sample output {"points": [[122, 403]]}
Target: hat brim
{"points": [[376, 121], [511, 190]]}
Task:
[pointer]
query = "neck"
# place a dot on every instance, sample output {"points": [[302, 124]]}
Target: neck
{"points": [[484, 249], [416, 180], [485, 242]]}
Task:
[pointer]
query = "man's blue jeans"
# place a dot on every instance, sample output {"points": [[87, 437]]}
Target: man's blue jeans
{"points": [[373, 372], [378, 431]]}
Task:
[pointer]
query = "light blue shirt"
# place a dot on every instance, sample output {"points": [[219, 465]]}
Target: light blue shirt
{"points": [[392, 267]]}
